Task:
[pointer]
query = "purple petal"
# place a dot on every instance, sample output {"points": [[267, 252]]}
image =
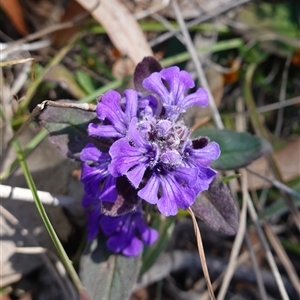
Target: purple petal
{"points": [[154, 83], [90, 153], [205, 177], [179, 82], [93, 218], [88, 201], [200, 97], [135, 136], [206, 154], [111, 225], [110, 109], [109, 190], [131, 104], [136, 175], [134, 248], [118, 242], [149, 192], [124, 157], [127, 233], [171, 158], [93, 215], [92, 177], [186, 176], [108, 131], [174, 196], [148, 234]]}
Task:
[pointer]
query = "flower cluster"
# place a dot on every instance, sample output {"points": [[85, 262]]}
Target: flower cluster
{"points": [[151, 147], [126, 233]]}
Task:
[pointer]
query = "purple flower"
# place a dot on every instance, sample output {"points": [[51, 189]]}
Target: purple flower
{"points": [[92, 206], [110, 109], [126, 233], [170, 85], [97, 180], [151, 144]]}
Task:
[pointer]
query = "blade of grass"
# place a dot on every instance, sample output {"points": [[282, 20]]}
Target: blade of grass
{"points": [[219, 46], [112, 85], [199, 70], [61, 251], [55, 61], [26, 151], [281, 253], [260, 130], [158, 27]]}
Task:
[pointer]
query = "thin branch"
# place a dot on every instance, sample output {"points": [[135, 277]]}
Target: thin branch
{"points": [[202, 255], [236, 245], [258, 275], [48, 30], [168, 26], [267, 249], [23, 47], [151, 10], [278, 105], [282, 95], [59, 272], [189, 44], [281, 253], [243, 258], [276, 184], [22, 194], [218, 11]]}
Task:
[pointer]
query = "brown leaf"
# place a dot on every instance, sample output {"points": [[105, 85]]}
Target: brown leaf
{"points": [[121, 27], [14, 11], [72, 11], [287, 160]]}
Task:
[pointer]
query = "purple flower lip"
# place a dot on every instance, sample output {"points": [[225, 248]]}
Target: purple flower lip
{"points": [[126, 233]]}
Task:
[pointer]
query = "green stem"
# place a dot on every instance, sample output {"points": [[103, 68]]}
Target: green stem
{"points": [[27, 150], [61, 251]]}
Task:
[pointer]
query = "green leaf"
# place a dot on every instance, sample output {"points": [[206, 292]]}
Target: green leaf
{"points": [[68, 129], [226, 179], [108, 276], [217, 208], [85, 82], [291, 246], [238, 149], [65, 79]]}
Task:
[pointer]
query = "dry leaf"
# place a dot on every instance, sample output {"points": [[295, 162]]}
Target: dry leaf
{"points": [[123, 67], [121, 27], [72, 11], [14, 11], [189, 9], [287, 160]]}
